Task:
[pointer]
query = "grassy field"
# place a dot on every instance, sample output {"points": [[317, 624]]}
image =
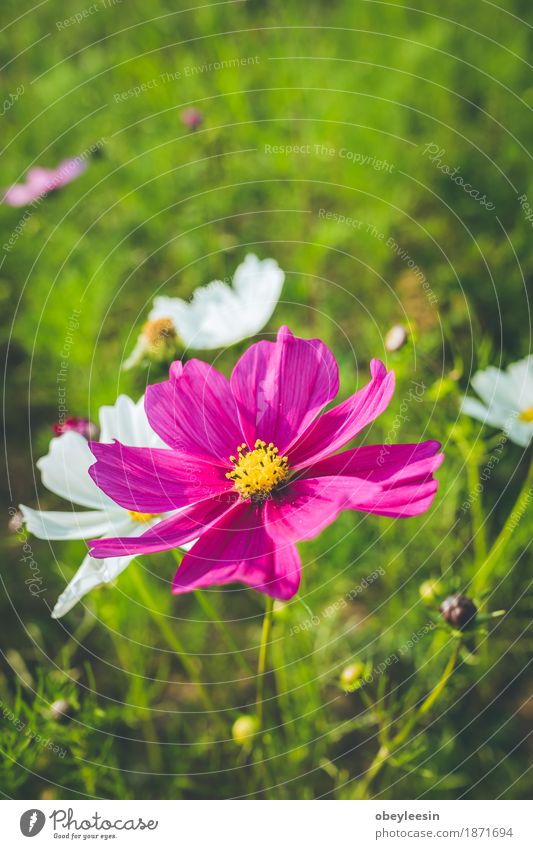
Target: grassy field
{"points": [[323, 145]]}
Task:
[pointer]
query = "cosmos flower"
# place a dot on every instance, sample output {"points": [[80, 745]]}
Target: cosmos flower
{"points": [[253, 465], [507, 398], [217, 315], [64, 471], [42, 181]]}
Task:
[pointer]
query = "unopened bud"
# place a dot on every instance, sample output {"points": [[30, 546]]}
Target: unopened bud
{"points": [[60, 710], [429, 591], [192, 118], [459, 611], [244, 729], [351, 674], [396, 338]]}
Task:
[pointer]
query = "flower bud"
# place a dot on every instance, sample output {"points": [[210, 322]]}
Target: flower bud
{"points": [[396, 338], [15, 522], [351, 674], [459, 611], [429, 591], [192, 118], [78, 425], [244, 729], [60, 710]]}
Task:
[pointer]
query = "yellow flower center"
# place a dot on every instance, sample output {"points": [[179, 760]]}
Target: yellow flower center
{"points": [[141, 517], [257, 472], [526, 415]]}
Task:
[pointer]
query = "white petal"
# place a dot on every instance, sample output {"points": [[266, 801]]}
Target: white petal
{"points": [[51, 524], [140, 349], [126, 421], [64, 471], [219, 315], [521, 374], [495, 387], [91, 574], [474, 408], [520, 433]]}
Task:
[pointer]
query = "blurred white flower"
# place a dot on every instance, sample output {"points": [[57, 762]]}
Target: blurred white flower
{"points": [[507, 400], [217, 315], [64, 471]]}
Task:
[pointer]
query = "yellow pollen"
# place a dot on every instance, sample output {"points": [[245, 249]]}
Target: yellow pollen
{"points": [[257, 472], [141, 517], [526, 415]]}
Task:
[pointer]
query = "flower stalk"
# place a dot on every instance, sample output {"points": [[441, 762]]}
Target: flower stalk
{"points": [[262, 660]]}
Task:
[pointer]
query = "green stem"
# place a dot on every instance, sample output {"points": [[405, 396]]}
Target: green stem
{"points": [[262, 660], [169, 635], [212, 615], [479, 537], [388, 749], [488, 565]]}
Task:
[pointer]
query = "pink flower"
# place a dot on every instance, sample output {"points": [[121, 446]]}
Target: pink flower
{"points": [[78, 425], [42, 181], [252, 466]]}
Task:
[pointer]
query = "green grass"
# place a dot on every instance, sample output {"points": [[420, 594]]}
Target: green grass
{"points": [[164, 210]]}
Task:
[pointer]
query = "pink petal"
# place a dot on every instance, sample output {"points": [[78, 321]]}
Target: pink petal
{"points": [[403, 474], [402, 501], [153, 480], [195, 412], [20, 195], [281, 386], [238, 548], [338, 426], [307, 506], [382, 462], [172, 532]]}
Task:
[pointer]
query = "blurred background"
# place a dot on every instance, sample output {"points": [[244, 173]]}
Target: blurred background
{"points": [[331, 138]]}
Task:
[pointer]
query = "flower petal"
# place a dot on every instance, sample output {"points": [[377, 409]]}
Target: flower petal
{"points": [[309, 505], [51, 524], [154, 480], [64, 471], [402, 475], [172, 532], [382, 462], [92, 573], [219, 315], [338, 426], [281, 386], [239, 548], [127, 422], [195, 412]]}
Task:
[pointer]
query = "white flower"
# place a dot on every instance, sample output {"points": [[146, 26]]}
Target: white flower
{"points": [[507, 400], [64, 471], [219, 315]]}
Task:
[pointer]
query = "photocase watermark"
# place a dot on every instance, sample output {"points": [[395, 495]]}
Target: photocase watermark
{"points": [[187, 71], [339, 604], [416, 393], [87, 12], [435, 153], [354, 156], [11, 99], [34, 581], [34, 736]]}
